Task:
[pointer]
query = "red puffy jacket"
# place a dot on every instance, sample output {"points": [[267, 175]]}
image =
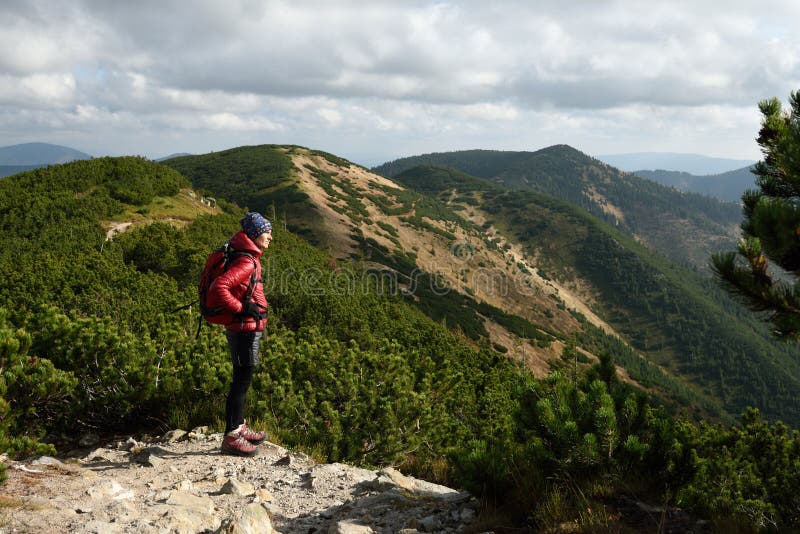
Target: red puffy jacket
{"points": [[229, 288]]}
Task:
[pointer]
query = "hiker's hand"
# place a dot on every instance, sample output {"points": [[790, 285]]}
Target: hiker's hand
{"points": [[251, 309]]}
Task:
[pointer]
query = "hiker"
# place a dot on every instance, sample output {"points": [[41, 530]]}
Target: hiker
{"points": [[240, 291]]}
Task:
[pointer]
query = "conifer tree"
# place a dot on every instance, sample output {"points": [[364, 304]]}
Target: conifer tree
{"points": [[771, 226]]}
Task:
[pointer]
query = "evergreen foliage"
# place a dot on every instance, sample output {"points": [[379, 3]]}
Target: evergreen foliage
{"points": [[683, 226], [771, 223], [258, 178], [88, 341], [668, 312]]}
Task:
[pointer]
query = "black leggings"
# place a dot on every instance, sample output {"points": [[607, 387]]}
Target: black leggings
{"points": [[244, 348], [234, 406]]}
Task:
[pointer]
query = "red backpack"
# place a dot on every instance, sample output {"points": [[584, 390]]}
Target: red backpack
{"points": [[217, 263]]}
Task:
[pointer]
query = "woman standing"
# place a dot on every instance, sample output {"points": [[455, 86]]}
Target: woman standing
{"points": [[240, 292]]}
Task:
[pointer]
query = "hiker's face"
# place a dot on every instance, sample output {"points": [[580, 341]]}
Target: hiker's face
{"points": [[263, 240]]}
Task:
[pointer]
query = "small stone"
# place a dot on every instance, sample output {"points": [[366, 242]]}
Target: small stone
{"points": [[200, 430], [173, 436], [128, 444], [38, 503], [263, 494], [191, 502], [253, 519], [44, 460], [99, 527], [236, 487], [109, 489], [348, 527], [270, 449], [184, 485]]}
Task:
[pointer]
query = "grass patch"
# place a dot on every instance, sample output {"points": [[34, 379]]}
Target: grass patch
{"points": [[181, 207]]}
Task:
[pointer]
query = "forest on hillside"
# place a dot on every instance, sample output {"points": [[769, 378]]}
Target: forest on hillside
{"points": [[685, 227], [672, 314], [89, 341], [719, 358]]}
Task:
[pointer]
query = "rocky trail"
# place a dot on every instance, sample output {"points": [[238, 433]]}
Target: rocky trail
{"points": [[181, 483]]}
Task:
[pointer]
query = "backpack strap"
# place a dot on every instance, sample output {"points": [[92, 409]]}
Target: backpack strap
{"points": [[251, 286]]}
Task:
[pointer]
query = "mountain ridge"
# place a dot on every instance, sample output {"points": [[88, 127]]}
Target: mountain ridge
{"points": [[39, 154], [452, 237], [352, 371], [728, 186], [696, 164], [686, 227]]}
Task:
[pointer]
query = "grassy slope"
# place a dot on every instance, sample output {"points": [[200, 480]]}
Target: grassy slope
{"points": [[685, 227]]}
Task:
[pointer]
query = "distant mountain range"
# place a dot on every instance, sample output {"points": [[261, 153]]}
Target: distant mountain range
{"points": [[670, 161], [27, 156], [39, 154], [176, 155], [727, 186]]}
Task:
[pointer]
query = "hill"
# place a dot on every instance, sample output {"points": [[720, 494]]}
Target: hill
{"points": [[518, 268], [659, 307], [8, 170], [350, 371], [176, 155], [414, 245], [39, 154], [687, 228], [690, 163], [727, 186], [89, 339]]}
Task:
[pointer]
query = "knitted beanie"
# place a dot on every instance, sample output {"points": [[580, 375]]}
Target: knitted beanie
{"points": [[254, 224]]}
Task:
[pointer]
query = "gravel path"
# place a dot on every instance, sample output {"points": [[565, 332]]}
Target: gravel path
{"points": [[182, 483]]}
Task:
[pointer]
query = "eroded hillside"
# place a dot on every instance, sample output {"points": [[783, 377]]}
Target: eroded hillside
{"points": [[372, 218]]}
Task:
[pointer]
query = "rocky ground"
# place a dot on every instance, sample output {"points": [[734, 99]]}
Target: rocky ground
{"points": [[181, 483]]}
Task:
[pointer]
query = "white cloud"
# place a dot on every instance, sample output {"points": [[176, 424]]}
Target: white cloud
{"points": [[37, 90], [229, 121], [664, 73], [330, 116]]}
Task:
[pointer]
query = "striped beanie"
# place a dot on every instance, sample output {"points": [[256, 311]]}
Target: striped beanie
{"points": [[254, 224]]}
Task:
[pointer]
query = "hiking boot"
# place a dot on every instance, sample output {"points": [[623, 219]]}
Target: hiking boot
{"points": [[238, 446], [251, 435]]}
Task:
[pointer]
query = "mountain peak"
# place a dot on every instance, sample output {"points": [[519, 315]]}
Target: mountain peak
{"points": [[39, 154]]}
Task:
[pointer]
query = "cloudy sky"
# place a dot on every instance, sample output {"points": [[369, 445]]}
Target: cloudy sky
{"points": [[376, 80]]}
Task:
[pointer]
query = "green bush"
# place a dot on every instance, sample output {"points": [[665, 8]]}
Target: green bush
{"points": [[33, 394]]}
